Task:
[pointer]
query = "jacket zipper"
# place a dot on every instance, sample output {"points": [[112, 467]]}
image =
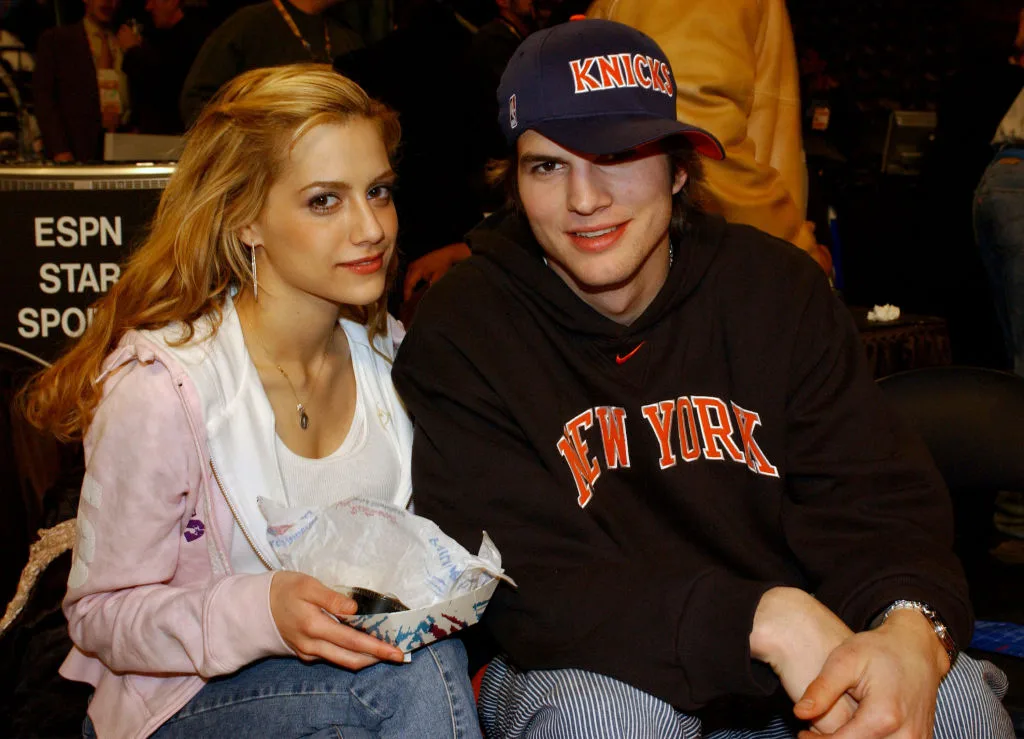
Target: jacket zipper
{"points": [[234, 513]]}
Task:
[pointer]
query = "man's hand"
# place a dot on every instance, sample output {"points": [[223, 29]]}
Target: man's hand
{"points": [[298, 603], [431, 267], [823, 257], [795, 635], [894, 673], [128, 38]]}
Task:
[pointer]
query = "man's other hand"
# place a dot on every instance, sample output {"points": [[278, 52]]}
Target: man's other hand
{"points": [[795, 635]]}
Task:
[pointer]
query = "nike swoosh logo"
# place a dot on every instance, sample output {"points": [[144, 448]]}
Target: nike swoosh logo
{"points": [[619, 359]]}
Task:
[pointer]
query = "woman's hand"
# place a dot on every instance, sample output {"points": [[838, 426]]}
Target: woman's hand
{"points": [[300, 605]]}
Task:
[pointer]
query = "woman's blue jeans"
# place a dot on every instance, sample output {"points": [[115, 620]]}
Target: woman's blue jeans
{"points": [[282, 698]]}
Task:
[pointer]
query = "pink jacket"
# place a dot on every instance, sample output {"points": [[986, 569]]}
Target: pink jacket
{"points": [[153, 607]]}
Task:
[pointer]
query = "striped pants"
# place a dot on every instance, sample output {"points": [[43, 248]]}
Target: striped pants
{"points": [[553, 704]]}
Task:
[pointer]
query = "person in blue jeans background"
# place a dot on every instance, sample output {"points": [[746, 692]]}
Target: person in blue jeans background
{"points": [[999, 229], [999, 232]]}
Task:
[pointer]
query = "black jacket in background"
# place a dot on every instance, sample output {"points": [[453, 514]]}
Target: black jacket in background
{"points": [[257, 36], [66, 95], [156, 71], [449, 119], [642, 561]]}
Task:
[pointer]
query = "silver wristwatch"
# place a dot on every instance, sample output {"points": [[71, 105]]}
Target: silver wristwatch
{"points": [[945, 638]]}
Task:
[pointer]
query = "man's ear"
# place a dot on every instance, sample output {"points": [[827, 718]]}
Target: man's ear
{"points": [[679, 180]]}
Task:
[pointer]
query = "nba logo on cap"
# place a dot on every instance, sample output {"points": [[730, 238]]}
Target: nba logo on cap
{"points": [[512, 120]]}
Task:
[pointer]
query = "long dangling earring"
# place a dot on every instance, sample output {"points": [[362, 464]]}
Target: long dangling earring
{"points": [[255, 285]]}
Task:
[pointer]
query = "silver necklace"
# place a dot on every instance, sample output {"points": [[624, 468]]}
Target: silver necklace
{"points": [[300, 407]]}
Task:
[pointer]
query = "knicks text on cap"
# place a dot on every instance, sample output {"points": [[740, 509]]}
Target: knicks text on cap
{"points": [[613, 71]]}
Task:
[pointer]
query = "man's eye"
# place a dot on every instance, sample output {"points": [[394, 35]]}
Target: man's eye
{"points": [[546, 167], [324, 202]]}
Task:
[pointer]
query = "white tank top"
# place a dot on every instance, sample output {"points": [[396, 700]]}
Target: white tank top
{"points": [[365, 465]]}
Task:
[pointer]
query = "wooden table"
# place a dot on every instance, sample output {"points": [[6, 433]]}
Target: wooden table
{"points": [[909, 342]]}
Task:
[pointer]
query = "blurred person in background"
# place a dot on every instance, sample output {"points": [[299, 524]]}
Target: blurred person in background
{"points": [[157, 62], [998, 211], [739, 81], [999, 216], [266, 34], [79, 86], [489, 50], [443, 130]]}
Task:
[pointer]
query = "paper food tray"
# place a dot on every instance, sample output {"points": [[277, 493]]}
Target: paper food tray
{"points": [[410, 630]]}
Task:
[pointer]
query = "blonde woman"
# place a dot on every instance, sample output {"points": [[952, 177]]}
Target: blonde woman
{"points": [[245, 354]]}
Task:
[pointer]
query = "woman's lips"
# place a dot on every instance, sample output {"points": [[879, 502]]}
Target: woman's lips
{"points": [[365, 266], [597, 239]]}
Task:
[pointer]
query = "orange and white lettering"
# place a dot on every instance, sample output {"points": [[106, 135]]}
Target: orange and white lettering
{"points": [[756, 459], [717, 433], [666, 78], [574, 450], [688, 445], [611, 75], [581, 77], [660, 416], [626, 62], [638, 63], [613, 433], [654, 66]]}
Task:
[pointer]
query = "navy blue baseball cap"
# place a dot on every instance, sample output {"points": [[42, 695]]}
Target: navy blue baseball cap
{"points": [[596, 87]]}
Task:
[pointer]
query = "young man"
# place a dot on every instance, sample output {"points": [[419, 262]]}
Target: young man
{"points": [[666, 425]]}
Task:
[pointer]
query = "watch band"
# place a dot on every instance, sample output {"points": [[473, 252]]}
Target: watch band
{"points": [[945, 638]]}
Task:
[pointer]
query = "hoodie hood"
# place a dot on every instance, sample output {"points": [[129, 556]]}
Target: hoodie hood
{"points": [[507, 244]]}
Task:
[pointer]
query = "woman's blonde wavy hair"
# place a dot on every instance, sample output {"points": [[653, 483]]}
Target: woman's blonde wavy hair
{"points": [[192, 255]]}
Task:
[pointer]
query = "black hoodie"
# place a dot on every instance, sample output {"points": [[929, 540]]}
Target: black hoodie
{"points": [[641, 552]]}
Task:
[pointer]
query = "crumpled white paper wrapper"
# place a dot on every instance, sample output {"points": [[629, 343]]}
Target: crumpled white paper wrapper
{"points": [[363, 543], [885, 312]]}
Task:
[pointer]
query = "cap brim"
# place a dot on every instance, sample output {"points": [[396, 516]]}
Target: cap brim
{"points": [[599, 135]]}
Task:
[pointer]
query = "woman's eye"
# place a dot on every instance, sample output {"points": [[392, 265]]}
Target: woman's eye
{"points": [[380, 193], [324, 202]]}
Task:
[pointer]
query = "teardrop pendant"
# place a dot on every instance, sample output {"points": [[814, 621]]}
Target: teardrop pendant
{"points": [[303, 418]]}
